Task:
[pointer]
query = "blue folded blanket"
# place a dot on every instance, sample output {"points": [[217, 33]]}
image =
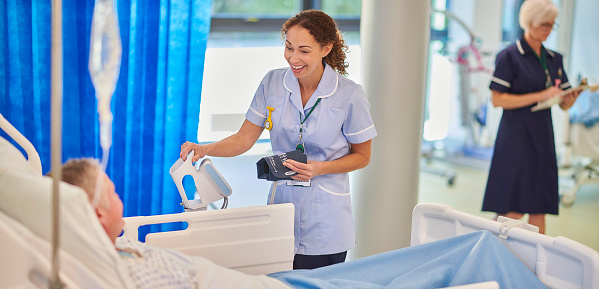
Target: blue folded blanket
{"points": [[466, 259]]}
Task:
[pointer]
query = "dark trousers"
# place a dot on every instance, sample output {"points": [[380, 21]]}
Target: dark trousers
{"points": [[317, 261]]}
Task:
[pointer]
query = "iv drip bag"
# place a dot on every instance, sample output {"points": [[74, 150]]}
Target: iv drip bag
{"points": [[104, 65]]}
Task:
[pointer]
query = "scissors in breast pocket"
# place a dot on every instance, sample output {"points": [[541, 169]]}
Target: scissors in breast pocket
{"points": [[268, 121]]}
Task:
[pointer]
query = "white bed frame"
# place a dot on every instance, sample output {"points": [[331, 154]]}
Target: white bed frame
{"points": [[253, 240], [557, 261]]}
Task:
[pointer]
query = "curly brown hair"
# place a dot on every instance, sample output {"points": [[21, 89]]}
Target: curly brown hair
{"points": [[324, 30]]}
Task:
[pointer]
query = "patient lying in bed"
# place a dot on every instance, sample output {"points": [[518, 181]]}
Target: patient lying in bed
{"points": [[470, 258], [148, 266]]}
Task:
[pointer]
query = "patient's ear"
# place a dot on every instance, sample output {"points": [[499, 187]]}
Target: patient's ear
{"points": [[102, 214]]}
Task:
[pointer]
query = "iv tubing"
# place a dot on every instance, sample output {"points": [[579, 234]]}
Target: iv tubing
{"points": [[99, 181]]}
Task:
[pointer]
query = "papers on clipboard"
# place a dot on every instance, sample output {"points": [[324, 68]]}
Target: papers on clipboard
{"points": [[548, 103]]}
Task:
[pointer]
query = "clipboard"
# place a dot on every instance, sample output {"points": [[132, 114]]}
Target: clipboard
{"points": [[548, 103]]}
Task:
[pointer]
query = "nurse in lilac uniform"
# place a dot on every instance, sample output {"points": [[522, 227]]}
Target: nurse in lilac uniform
{"points": [[310, 105], [523, 174]]}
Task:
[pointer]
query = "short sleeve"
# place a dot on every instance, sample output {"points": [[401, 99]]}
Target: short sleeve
{"points": [[358, 126], [257, 113], [504, 73]]}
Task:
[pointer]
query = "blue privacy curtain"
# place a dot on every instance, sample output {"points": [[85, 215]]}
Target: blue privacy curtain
{"points": [[157, 99]]}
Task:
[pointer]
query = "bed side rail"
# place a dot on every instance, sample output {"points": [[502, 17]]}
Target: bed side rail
{"points": [[253, 240], [558, 262]]}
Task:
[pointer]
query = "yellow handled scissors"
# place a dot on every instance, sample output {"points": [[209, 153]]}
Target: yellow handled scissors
{"points": [[268, 121]]}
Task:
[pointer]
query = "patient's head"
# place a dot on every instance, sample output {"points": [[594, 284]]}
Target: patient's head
{"points": [[84, 173]]}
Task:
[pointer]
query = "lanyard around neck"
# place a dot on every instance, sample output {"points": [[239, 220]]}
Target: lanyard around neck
{"points": [[300, 145], [309, 113], [543, 61]]}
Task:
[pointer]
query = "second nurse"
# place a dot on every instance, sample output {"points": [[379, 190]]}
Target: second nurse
{"points": [[333, 114]]}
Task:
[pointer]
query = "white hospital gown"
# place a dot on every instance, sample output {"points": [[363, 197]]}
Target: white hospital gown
{"points": [[150, 267]]}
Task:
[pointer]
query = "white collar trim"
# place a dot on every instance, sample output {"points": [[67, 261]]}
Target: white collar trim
{"points": [[519, 47], [330, 73], [334, 89]]}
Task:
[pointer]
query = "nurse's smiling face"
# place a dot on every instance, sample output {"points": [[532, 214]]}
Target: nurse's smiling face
{"points": [[304, 54]]}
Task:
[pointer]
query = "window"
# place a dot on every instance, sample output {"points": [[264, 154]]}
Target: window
{"points": [[510, 20], [438, 26], [437, 95], [269, 15]]}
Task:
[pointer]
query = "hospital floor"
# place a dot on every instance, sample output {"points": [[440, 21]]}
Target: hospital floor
{"points": [[578, 222]]}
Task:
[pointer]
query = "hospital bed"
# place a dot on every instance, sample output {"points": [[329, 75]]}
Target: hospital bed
{"points": [[241, 238], [255, 240], [582, 133]]}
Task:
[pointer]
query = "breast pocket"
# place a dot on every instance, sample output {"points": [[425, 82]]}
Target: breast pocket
{"points": [[330, 128]]}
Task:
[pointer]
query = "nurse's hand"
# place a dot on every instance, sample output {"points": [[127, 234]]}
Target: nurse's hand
{"points": [[569, 99], [549, 93], [199, 151], [305, 172]]}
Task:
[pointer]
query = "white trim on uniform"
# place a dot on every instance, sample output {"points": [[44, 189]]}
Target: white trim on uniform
{"points": [[550, 52], [501, 82], [355, 133], [256, 112], [331, 192], [519, 47], [285, 77], [334, 90]]}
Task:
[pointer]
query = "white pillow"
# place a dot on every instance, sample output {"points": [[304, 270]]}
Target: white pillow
{"points": [[31, 264], [27, 199]]}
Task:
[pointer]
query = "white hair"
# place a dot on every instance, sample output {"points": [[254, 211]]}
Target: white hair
{"points": [[536, 12]]}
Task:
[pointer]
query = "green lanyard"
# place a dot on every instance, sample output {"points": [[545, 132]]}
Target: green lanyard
{"points": [[543, 61], [300, 145]]}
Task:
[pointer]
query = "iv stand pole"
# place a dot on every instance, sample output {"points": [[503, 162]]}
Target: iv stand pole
{"points": [[56, 132]]}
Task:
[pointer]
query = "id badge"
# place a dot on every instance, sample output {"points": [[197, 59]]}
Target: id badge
{"points": [[299, 183]]}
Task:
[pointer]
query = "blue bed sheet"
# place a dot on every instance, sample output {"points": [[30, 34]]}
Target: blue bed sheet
{"points": [[466, 259]]}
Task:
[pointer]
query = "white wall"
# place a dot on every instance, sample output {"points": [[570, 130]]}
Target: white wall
{"points": [[584, 58]]}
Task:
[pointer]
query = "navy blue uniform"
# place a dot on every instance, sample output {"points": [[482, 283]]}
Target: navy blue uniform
{"points": [[523, 174]]}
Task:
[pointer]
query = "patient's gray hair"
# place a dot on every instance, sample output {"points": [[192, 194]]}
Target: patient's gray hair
{"points": [[83, 172]]}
